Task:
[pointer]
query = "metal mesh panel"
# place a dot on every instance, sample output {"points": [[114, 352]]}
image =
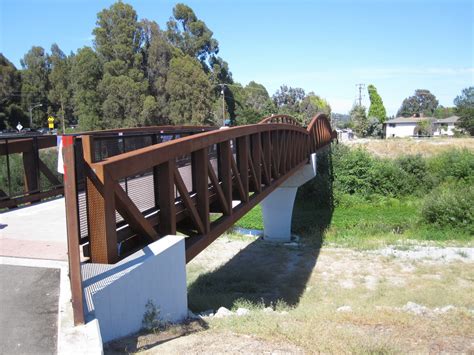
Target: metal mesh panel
{"points": [[213, 159], [49, 157], [185, 170], [140, 189], [15, 183]]}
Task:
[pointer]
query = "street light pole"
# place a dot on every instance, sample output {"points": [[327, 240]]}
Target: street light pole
{"points": [[31, 113], [223, 105]]}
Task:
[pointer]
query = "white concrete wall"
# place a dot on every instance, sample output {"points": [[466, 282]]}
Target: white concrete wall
{"points": [[116, 295], [400, 130], [277, 208]]}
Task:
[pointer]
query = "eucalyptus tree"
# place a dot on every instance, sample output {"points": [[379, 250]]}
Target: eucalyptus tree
{"points": [[35, 84]]}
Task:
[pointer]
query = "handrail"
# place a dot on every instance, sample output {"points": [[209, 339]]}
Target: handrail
{"points": [[139, 160], [281, 119]]}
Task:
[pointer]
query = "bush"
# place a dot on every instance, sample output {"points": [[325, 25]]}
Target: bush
{"points": [[418, 179], [452, 205], [455, 164], [351, 170], [357, 172]]}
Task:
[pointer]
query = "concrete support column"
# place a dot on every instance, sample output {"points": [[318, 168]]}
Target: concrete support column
{"points": [[277, 208]]}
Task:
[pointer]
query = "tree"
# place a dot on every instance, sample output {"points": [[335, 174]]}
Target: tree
{"points": [[424, 128], [158, 54], [190, 92], [288, 100], [123, 99], [124, 87], [376, 108], [253, 103], [465, 109], [35, 84], [359, 120], [118, 35], [191, 35], [444, 112], [311, 105], [10, 96], [422, 102], [86, 73], [60, 93]]}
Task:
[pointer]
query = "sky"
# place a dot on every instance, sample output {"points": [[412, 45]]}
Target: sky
{"points": [[324, 46]]}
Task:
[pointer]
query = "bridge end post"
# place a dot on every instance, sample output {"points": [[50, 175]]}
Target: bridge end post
{"points": [[277, 208]]}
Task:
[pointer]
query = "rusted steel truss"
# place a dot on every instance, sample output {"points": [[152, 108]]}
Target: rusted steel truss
{"points": [[229, 172], [33, 169]]}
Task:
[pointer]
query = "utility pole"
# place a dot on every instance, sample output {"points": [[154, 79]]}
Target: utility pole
{"points": [[361, 87]]}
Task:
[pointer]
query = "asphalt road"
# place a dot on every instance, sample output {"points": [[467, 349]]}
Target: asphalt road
{"points": [[29, 299]]}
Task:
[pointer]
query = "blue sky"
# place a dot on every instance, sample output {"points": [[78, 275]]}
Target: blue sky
{"points": [[322, 46]]}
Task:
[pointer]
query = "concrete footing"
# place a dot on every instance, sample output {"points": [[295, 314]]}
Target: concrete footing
{"points": [[277, 208], [117, 295]]}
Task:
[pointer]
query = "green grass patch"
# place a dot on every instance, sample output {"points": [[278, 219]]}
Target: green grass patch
{"points": [[364, 223], [252, 220]]}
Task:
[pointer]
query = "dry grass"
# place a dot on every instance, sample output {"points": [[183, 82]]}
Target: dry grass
{"points": [[311, 285], [393, 148]]}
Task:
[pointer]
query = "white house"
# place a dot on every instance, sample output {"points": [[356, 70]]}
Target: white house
{"points": [[445, 126], [403, 126]]}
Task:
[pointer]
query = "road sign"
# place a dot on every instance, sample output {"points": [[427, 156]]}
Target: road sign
{"points": [[19, 127], [50, 122]]}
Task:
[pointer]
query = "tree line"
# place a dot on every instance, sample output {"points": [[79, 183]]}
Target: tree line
{"points": [[422, 103], [137, 74]]}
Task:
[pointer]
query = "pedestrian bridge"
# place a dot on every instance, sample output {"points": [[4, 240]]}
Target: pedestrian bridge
{"points": [[125, 189]]}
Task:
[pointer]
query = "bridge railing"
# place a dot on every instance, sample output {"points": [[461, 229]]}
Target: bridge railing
{"points": [[281, 119], [28, 169], [199, 185]]}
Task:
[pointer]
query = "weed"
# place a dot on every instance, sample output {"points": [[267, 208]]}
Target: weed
{"points": [[151, 319]]}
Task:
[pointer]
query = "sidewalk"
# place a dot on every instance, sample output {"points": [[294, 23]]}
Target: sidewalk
{"points": [[37, 231]]}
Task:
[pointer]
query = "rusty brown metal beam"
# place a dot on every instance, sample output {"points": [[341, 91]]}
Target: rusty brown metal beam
{"points": [[73, 234]]}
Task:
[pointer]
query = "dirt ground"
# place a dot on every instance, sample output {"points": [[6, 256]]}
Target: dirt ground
{"points": [[394, 300]]}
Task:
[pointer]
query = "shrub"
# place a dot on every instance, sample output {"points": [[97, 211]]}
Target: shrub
{"points": [[455, 164], [418, 179], [351, 170], [450, 205]]}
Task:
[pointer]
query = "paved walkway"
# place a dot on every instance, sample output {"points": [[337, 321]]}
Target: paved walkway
{"points": [[37, 231], [29, 299]]}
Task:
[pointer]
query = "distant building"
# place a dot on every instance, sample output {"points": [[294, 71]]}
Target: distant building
{"points": [[403, 126], [344, 134], [409, 126], [445, 126]]}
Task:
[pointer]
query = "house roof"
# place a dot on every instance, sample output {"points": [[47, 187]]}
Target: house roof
{"points": [[452, 119], [410, 119]]}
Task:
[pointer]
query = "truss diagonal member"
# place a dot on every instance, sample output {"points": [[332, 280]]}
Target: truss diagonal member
{"points": [[218, 188], [240, 186], [132, 215], [183, 193]]}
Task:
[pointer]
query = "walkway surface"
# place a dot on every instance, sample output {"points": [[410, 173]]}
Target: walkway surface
{"points": [[29, 299], [37, 231], [35, 308]]}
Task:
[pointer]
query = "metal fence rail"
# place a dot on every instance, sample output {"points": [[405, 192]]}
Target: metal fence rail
{"points": [[28, 169]]}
